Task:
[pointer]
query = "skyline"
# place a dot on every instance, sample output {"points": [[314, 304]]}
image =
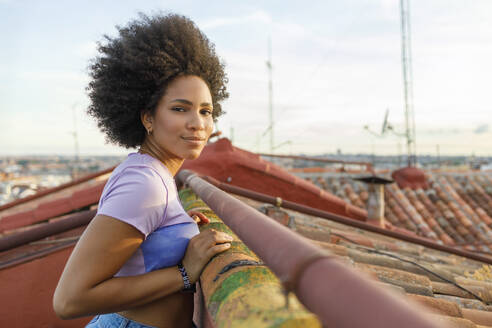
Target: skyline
{"points": [[336, 68]]}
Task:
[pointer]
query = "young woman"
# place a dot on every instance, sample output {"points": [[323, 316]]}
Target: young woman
{"points": [[156, 86]]}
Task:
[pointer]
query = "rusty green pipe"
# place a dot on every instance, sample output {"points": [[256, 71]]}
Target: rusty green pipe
{"points": [[248, 295]]}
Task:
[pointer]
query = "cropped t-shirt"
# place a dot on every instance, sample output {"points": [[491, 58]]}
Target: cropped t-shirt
{"points": [[141, 192]]}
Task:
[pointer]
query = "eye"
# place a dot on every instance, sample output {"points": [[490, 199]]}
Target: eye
{"points": [[178, 109], [206, 112]]}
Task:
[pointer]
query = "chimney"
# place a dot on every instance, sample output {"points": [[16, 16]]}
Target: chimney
{"points": [[375, 203]]}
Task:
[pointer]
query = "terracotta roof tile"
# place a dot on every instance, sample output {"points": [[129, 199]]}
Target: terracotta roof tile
{"points": [[388, 214], [478, 317], [440, 306], [411, 212], [449, 289], [445, 211], [397, 209], [410, 282], [427, 216], [467, 303], [454, 322], [466, 215]]}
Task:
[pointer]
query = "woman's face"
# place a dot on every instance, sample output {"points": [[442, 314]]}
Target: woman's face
{"points": [[183, 119]]}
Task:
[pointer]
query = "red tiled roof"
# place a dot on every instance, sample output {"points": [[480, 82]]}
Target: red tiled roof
{"points": [[226, 163], [440, 212]]}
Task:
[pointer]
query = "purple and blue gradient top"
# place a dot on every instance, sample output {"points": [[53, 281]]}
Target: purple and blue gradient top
{"points": [[141, 192]]}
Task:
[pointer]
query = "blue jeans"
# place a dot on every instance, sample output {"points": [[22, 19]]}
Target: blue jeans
{"points": [[114, 320]]}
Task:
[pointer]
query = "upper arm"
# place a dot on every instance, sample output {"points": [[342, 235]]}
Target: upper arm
{"points": [[137, 196], [131, 207], [103, 248]]}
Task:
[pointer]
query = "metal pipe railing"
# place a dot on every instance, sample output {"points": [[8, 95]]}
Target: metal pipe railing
{"points": [[45, 230], [345, 220], [340, 296], [36, 254]]}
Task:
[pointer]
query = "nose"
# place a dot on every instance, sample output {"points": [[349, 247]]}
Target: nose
{"points": [[195, 121]]}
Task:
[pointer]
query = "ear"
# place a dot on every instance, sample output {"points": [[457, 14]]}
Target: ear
{"points": [[146, 119]]}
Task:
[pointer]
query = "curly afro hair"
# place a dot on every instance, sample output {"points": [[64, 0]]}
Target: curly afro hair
{"points": [[133, 70]]}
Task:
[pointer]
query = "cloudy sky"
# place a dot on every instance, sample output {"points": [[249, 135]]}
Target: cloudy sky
{"points": [[336, 67]]}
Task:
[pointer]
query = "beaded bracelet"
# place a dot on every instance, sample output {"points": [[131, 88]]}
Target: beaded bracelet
{"points": [[188, 287]]}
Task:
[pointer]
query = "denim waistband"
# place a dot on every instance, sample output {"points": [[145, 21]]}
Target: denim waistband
{"points": [[114, 320]]}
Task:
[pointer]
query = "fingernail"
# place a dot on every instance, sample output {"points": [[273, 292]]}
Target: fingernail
{"points": [[229, 238]]}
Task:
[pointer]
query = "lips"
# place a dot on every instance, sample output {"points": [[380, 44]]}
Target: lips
{"points": [[193, 138], [194, 141]]}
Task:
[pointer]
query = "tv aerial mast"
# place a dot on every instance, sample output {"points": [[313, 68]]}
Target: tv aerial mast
{"points": [[269, 129], [270, 93], [406, 61], [406, 64]]}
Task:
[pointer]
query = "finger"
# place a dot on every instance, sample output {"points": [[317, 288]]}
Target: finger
{"points": [[207, 238], [203, 219], [194, 215], [221, 237], [212, 237], [200, 215], [218, 249]]}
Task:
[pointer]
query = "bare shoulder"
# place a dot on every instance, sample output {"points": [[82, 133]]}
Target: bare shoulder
{"points": [[105, 245]]}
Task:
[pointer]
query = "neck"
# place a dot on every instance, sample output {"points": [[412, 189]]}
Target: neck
{"points": [[172, 162]]}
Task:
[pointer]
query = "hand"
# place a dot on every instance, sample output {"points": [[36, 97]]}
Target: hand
{"points": [[200, 250], [199, 217]]}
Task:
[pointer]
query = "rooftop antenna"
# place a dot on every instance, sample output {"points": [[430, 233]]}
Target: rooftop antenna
{"points": [[270, 92], [270, 100], [406, 61], [387, 127]]}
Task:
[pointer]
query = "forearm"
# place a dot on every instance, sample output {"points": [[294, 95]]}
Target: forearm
{"points": [[123, 293]]}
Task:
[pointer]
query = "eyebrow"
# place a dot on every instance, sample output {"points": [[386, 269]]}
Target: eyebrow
{"points": [[185, 101]]}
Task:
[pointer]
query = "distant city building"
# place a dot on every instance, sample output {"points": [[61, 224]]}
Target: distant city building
{"points": [[22, 176]]}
